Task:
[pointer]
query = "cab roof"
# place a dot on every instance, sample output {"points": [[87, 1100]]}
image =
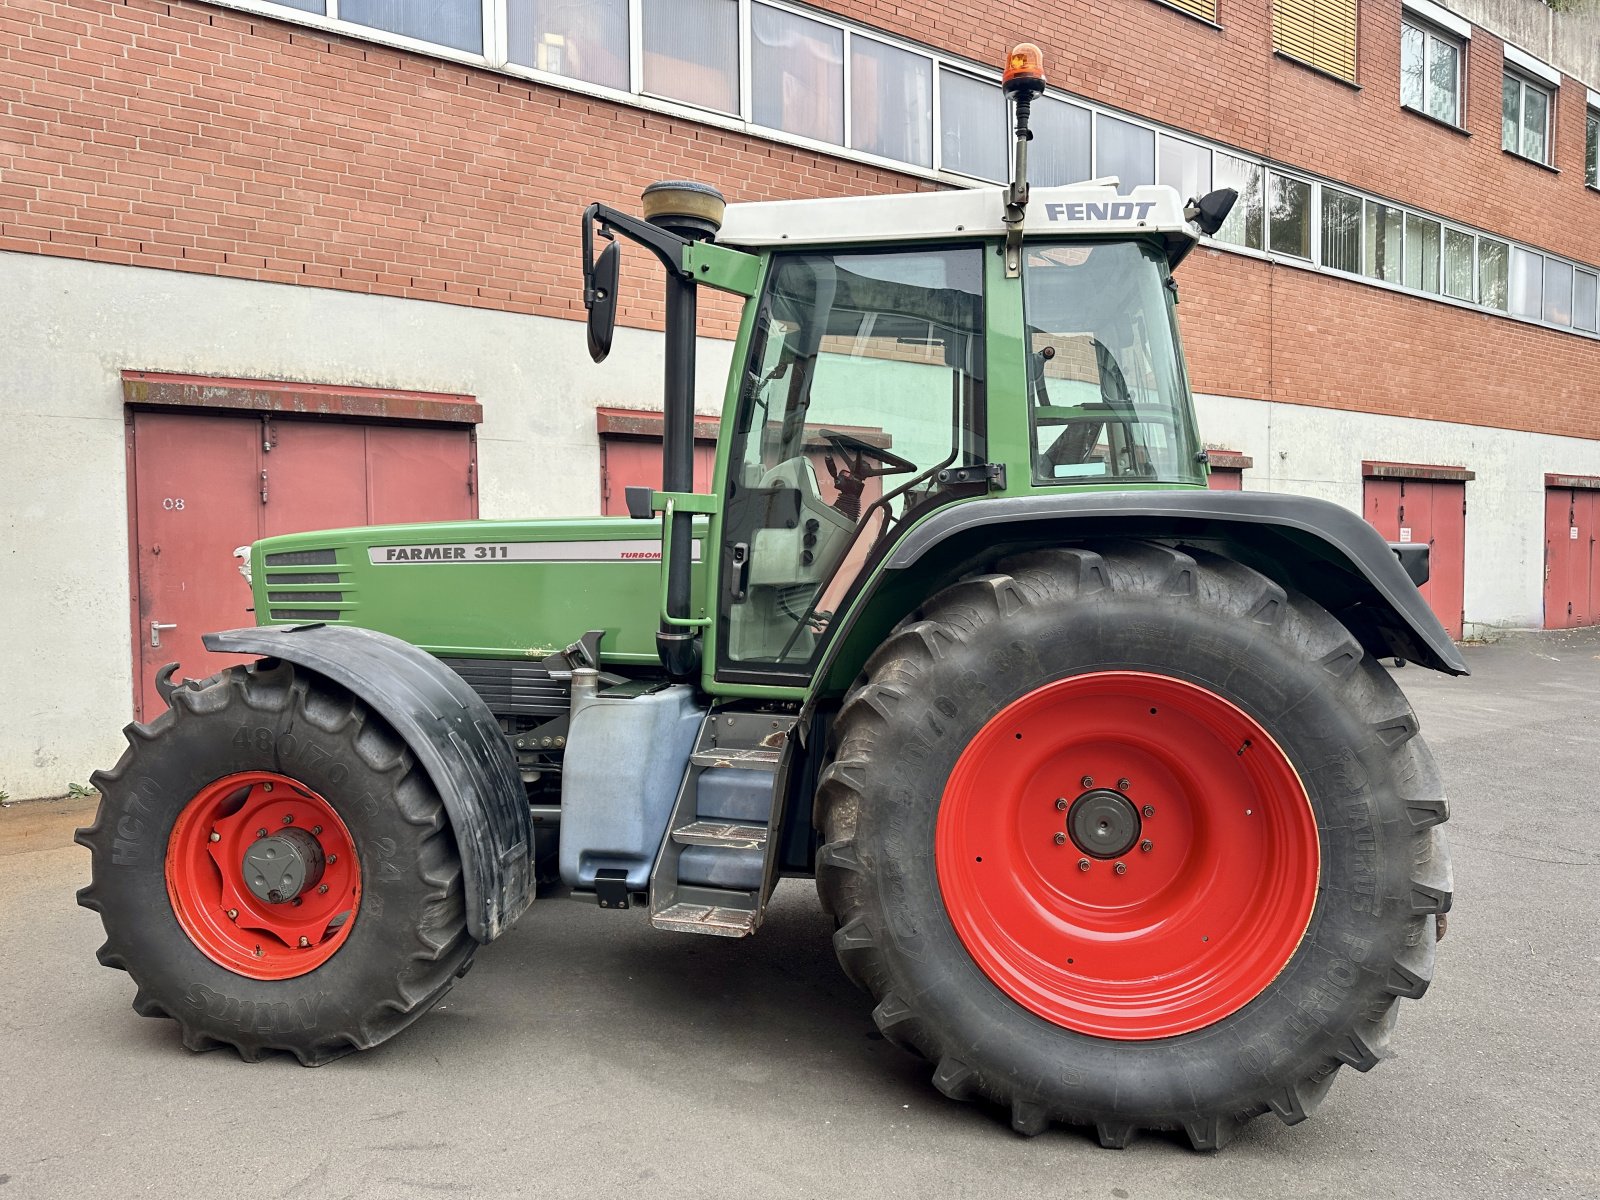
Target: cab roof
{"points": [[1084, 210]]}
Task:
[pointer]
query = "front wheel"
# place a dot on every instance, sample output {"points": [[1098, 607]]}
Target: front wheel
{"points": [[274, 870], [1132, 838]]}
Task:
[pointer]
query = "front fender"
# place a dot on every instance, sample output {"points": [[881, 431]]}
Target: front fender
{"points": [[453, 735], [1313, 546]]}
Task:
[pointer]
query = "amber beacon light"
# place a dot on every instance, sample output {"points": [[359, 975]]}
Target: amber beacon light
{"points": [[1024, 69]]}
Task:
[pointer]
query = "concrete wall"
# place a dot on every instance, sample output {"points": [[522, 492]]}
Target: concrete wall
{"points": [[72, 327], [1318, 452], [1565, 34]]}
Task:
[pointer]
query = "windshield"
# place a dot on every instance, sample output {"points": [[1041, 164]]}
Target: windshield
{"points": [[863, 386], [1107, 395]]}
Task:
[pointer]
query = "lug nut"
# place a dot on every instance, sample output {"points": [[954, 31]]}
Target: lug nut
{"points": [[288, 818], [295, 902], [305, 943], [1088, 781], [332, 858], [215, 836], [322, 889], [266, 787], [1121, 868], [1060, 838], [1083, 864], [316, 829], [1147, 845], [1061, 803], [1149, 810], [261, 833], [1123, 785], [233, 914]]}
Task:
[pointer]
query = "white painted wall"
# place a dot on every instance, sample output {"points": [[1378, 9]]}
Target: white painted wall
{"points": [[71, 327], [1319, 451]]}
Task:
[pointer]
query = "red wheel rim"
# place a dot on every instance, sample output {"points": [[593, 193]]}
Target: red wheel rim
{"points": [[232, 925], [1193, 927]]}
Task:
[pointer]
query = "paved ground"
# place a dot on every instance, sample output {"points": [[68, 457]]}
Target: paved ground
{"points": [[588, 1056]]}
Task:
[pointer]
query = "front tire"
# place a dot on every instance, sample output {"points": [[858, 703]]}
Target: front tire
{"points": [[1286, 900], [265, 770]]}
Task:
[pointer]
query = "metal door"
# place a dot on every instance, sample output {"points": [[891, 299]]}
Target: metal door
{"points": [[1224, 480], [1571, 586], [636, 462], [1432, 511], [205, 485]]}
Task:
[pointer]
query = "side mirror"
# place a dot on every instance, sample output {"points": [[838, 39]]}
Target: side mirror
{"points": [[1211, 210], [600, 298]]}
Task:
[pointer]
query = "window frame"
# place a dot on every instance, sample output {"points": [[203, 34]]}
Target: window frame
{"points": [[1432, 32], [1526, 80]]}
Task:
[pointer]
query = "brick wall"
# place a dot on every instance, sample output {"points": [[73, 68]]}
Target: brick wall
{"points": [[180, 136]]}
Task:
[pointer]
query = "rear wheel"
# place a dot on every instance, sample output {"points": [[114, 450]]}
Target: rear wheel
{"points": [[274, 871], [1132, 838]]}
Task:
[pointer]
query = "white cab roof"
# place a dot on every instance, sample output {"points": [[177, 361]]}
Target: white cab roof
{"points": [[1084, 209]]}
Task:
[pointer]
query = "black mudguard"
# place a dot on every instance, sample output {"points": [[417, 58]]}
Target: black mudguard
{"points": [[1314, 546], [453, 735]]}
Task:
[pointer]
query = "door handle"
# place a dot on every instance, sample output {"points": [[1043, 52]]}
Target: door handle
{"points": [[155, 633]]}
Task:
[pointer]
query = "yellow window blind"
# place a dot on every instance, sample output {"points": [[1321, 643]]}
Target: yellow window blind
{"points": [[1206, 10], [1319, 32]]}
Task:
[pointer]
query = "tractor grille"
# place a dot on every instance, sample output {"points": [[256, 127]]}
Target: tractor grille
{"points": [[298, 591], [521, 689]]}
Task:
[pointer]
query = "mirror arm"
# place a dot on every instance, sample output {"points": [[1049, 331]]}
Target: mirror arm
{"points": [[668, 247]]}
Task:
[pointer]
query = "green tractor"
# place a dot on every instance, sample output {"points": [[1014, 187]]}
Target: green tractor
{"points": [[1120, 820]]}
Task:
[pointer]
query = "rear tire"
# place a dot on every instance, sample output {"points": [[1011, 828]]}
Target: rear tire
{"points": [[887, 806], [228, 966]]}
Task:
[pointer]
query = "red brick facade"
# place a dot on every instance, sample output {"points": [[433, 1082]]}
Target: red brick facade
{"points": [[182, 136]]}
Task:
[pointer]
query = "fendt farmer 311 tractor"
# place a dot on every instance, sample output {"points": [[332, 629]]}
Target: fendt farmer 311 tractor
{"points": [[1120, 819]]}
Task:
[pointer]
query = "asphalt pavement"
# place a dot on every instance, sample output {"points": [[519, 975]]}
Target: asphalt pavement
{"points": [[588, 1056]]}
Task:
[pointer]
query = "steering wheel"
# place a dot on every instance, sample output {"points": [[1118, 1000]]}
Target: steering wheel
{"points": [[862, 461], [857, 452]]}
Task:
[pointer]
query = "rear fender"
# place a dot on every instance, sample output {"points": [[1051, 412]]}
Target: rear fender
{"points": [[1312, 546], [454, 737]]}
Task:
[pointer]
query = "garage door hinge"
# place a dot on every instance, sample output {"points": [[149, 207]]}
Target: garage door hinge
{"points": [[472, 479], [263, 487]]}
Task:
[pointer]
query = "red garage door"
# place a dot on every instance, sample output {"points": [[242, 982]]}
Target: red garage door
{"points": [[1409, 503], [1571, 564], [205, 483], [1227, 470]]}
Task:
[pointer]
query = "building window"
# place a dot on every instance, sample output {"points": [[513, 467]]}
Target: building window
{"points": [[796, 74], [1494, 286], [972, 124], [1422, 254], [691, 51], [1382, 235], [1527, 284], [1184, 167], [1060, 150], [891, 102], [1320, 33], [1586, 301], [1591, 148], [1288, 215], [1430, 70], [1341, 230], [1125, 151], [581, 39], [1243, 226], [1524, 117], [1458, 264], [454, 23], [1206, 10], [1557, 292]]}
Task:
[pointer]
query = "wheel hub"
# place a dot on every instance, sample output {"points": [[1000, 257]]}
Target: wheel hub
{"points": [[1103, 823], [278, 868]]}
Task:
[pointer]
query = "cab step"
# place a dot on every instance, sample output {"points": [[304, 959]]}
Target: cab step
{"points": [[722, 834], [711, 919], [753, 758]]}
